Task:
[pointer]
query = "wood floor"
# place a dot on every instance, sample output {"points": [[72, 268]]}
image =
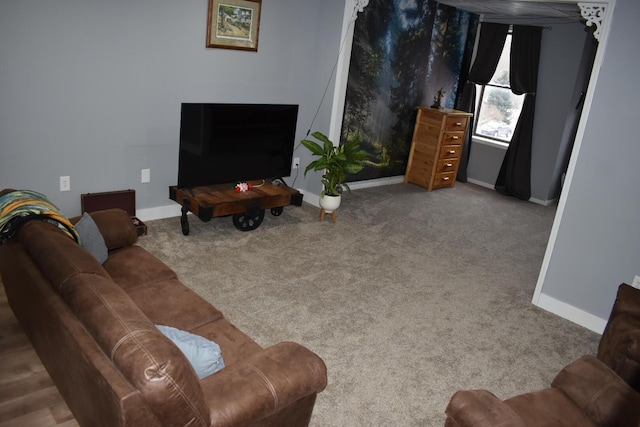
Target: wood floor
{"points": [[27, 394]]}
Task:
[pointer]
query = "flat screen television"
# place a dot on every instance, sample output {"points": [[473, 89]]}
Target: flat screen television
{"points": [[228, 143]]}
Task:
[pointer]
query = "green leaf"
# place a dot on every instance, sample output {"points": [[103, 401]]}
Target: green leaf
{"points": [[312, 146], [328, 147], [353, 169], [322, 137]]}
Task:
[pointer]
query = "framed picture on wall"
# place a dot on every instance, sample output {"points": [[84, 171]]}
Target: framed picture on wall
{"points": [[234, 24]]}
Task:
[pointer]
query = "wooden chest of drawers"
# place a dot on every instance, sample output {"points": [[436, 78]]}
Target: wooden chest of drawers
{"points": [[437, 143]]}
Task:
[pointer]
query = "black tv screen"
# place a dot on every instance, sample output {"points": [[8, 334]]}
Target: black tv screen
{"points": [[228, 143]]}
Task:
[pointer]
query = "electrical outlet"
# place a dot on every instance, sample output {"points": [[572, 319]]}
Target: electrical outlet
{"points": [[65, 183], [296, 162], [145, 176], [636, 282]]}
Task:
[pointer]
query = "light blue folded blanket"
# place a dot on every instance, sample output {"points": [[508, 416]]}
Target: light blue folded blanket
{"points": [[205, 355]]}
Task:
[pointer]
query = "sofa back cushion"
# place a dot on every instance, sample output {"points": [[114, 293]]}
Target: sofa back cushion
{"points": [[57, 255], [149, 360]]}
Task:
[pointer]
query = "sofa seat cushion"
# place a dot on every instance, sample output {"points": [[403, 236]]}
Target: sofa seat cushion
{"points": [[57, 255], [149, 360], [548, 407], [157, 291], [235, 344], [132, 266], [171, 303]]}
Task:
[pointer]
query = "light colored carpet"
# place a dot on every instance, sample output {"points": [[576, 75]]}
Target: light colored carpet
{"points": [[409, 297]]}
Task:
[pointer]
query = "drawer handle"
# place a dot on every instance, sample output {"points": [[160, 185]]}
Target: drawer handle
{"points": [[452, 151], [449, 165], [454, 137], [458, 124], [446, 178]]}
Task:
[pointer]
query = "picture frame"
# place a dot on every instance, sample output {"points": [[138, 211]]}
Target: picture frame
{"points": [[234, 24]]}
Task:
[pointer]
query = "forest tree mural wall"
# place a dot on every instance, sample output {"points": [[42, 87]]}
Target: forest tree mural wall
{"points": [[403, 52]]}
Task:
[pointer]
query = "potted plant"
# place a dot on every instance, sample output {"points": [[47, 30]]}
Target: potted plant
{"points": [[336, 162]]}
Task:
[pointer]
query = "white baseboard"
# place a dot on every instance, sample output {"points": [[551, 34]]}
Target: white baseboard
{"points": [[492, 187], [310, 198], [543, 202], [160, 212], [481, 183], [378, 182], [571, 313], [314, 199]]}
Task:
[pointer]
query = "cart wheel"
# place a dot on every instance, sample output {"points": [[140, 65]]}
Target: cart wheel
{"points": [[249, 220], [277, 211]]}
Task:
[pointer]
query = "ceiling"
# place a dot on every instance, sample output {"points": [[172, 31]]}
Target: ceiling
{"points": [[521, 10]]}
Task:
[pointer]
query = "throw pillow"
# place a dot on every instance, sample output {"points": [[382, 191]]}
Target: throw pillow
{"points": [[204, 355], [91, 239]]}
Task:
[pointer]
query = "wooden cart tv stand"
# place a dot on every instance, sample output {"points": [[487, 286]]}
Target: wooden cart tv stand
{"points": [[247, 207]]}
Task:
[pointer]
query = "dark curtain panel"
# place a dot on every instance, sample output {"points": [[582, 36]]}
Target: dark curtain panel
{"points": [[514, 178], [490, 45], [467, 102], [467, 57]]}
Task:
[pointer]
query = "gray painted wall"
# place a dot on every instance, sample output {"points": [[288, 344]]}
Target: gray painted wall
{"points": [[484, 163], [560, 61], [92, 88], [598, 240]]}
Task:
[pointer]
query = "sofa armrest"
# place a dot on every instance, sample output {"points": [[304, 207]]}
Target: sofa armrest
{"points": [[116, 227], [627, 301], [600, 393], [619, 346], [263, 384], [480, 408]]}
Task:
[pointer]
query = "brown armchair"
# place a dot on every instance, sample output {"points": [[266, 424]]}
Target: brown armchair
{"points": [[591, 391], [620, 343]]}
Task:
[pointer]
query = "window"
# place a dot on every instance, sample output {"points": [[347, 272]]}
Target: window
{"points": [[497, 108]]}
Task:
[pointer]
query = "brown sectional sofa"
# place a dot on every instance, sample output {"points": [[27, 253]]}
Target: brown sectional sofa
{"points": [[93, 327], [602, 391]]}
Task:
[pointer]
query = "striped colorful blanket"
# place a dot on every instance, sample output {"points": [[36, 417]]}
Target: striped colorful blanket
{"points": [[20, 206]]}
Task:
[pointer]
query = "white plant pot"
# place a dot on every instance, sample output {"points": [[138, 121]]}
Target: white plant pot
{"points": [[330, 203]]}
